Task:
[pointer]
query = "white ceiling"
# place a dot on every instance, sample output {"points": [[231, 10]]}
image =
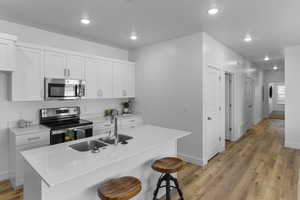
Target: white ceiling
{"points": [[273, 24]]}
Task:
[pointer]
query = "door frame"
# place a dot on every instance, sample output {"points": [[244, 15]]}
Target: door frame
{"points": [[233, 98]]}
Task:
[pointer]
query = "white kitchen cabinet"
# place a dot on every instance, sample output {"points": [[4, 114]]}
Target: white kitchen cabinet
{"points": [[27, 80], [61, 65], [7, 52], [99, 78], [75, 67], [21, 139], [124, 80]]}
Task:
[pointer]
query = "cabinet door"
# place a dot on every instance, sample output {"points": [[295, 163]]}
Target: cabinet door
{"points": [[27, 80], [121, 80], [99, 78], [55, 65], [76, 66], [7, 58]]}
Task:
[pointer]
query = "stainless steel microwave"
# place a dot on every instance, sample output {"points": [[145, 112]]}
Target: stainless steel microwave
{"points": [[64, 89]]}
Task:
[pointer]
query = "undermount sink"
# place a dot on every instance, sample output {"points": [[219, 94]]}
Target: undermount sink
{"points": [[92, 145], [122, 139]]}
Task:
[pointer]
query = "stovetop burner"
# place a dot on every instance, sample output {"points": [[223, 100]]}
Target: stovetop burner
{"points": [[62, 118], [67, 124]]}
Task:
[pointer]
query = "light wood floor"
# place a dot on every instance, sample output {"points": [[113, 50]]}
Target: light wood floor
{"points": [[277, 115], [257, 167]]}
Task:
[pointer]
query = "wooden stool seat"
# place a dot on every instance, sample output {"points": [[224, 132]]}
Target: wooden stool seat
{"points": [[123, 188], [168, 165]]}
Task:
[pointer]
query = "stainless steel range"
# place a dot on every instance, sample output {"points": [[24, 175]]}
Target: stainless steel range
{"points": [[65, 124]]}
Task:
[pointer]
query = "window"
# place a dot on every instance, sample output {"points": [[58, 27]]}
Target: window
{"points": [[280, 94]]}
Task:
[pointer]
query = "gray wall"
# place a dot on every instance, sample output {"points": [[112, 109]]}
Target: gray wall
{"points": [[168, 88]]}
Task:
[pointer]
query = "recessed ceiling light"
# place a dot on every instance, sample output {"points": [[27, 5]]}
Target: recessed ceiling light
{"points": [[275, 67], [133, 36], [85, 21], [248, 38], [213, 11], [266, 58]]}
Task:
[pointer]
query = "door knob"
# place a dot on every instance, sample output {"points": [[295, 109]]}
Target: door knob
{"points": [[209, 118]]}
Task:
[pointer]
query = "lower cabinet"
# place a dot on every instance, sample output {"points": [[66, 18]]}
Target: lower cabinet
{"points": [[19, 143]]}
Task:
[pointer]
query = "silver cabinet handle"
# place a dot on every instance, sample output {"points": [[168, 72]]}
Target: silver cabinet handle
{"points": [[33, 138], [65, 72], [69, 72], [209, 118]]}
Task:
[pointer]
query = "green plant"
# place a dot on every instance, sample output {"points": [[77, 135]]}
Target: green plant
{"points": [[125, 104]]}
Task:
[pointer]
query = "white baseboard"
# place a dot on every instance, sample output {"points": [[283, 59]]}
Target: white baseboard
{"points": [[192, 159], [292, 144], [4, 175]]}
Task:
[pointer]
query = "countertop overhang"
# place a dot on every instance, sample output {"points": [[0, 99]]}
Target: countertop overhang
{"points": [[59, 163]]}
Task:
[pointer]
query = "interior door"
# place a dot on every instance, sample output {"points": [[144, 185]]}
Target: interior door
{"points": [[249, 99], [213, 111]]}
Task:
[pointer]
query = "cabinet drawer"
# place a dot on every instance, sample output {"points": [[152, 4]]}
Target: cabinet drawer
{"points": [[129, 121], [38, 138]]}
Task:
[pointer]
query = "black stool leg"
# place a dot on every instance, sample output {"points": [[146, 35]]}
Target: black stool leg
{"points": [[168, 191], [160, 180], [178, 188]]}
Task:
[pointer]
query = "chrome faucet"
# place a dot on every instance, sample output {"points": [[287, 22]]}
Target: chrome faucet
{"points": [[115, 121]]}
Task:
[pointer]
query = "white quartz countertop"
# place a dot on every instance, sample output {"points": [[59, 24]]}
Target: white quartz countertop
{"points": [[31, 129], [59, 163]]}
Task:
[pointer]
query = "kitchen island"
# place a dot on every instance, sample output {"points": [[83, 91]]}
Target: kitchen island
{"points": [[62, 173]]}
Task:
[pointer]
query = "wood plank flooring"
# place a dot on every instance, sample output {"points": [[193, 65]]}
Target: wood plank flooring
{"points": [[257, 167]]}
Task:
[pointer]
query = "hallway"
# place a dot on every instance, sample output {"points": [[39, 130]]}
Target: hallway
{"points": [[256, 167]]}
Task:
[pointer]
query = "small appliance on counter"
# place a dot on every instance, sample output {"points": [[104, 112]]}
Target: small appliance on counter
{"points": [[22, 123], [65, 124]]}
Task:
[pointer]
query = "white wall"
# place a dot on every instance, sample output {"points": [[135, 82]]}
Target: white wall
{"points": [[168, 88], [11, 112], [292, 108], [169, 85]]}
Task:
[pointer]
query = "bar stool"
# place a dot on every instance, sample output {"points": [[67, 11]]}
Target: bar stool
{"points": [[123, 188], [166, 166]]}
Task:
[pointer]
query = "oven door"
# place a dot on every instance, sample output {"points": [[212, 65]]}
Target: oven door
{"points": [[63, 89], [70, 134]]}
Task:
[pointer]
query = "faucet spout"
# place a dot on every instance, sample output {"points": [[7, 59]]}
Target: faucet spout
{"points": [[115, 121]]}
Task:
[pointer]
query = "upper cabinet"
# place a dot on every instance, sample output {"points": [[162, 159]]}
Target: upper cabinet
{"points": [[62, 65], [27, 80], [99, 78], [7, 52], [124, 79]]}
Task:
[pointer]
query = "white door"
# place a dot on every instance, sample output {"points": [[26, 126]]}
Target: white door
{"points": [[55, 65], [213, 111], [122, 77], [76, 66], [27, 80], [249, 99], [99, 78], [7, 52], [228, 106]]}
